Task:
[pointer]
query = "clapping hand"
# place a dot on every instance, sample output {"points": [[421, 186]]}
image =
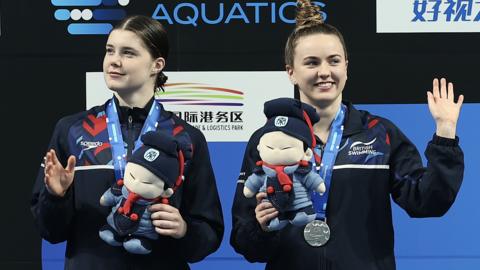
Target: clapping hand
{"points": [[58, 179]]}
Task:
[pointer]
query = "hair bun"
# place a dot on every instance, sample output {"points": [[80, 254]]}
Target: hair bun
{"points": [[308, 14], [161, 80]]}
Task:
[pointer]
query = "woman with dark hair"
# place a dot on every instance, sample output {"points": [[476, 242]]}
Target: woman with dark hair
{"points": [[363, 158], [89, 149]]}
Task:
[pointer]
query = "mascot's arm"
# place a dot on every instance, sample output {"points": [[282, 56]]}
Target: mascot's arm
{"points": [[108, 199], [313, 182], [253, 184]]}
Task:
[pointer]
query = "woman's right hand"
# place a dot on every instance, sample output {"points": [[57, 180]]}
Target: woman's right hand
{"points": [[58, 179], [445, 111], [264, 212]]}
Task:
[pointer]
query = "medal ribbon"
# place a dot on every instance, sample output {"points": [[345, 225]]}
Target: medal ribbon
{"points": [[119, 154], [327, 162]]}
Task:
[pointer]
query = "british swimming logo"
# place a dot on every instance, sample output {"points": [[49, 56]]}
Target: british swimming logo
{"points": [[366, 149]]}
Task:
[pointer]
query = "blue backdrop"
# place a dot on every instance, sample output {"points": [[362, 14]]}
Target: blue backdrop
{"points": [[450, 242]]}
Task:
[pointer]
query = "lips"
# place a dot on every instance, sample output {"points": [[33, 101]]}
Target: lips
{"points": [[324, 85], [115, 74]]}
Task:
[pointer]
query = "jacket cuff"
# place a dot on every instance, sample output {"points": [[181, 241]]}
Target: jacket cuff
{"points": [[263, 235], [445, 141], [57, 199]]}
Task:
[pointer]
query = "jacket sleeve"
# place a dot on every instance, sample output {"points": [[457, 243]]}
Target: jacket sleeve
{"points": [[200, 205], [430, 191], [247, 237], [53, 214]]}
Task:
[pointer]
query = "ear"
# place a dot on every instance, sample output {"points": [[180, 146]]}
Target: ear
{"points": [[158, 65], [167, 193], [308, 154], [291, 76]]}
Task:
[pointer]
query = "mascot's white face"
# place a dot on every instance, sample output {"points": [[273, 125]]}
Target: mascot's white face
{"points": [[140, 180], [279, 148]]}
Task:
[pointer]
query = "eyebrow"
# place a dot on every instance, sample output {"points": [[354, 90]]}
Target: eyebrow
{"points": [[132, 176], [315, 57], [334, 55], [129, 48], [123, 48]]}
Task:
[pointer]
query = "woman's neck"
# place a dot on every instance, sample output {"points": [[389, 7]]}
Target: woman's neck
{"points": [[327, 113], [138, 98]]}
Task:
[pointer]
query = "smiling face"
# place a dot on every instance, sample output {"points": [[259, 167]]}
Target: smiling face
{"points": [[128, 66], [319, 69], [140, 180], [279, 148]]}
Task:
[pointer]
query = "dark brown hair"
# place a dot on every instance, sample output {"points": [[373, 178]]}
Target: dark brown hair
{"points": [[153, 35], [309, 21]]}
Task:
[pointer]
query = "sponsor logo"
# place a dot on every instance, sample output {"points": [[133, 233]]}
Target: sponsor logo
{"points": [[87, 145], [96, 17], [151, 154], [206, 98], [89, 17], [428, 16], [281, 121], [200, 94], [448, 11], [225, 106], [203, 13], [90, 145]]}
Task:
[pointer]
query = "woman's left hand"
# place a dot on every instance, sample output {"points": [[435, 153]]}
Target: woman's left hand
{"points": [[443, 108], [168, 221]]}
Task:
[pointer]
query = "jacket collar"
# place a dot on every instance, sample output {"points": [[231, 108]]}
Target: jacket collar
{"points": [[355, 120], [138, 114]]}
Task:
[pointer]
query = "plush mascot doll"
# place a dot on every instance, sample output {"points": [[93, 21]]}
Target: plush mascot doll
{"points": [[152, 174], [285, 170]]}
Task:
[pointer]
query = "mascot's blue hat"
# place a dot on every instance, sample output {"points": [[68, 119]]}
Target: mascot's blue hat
{"points": [[159, 154], [291, 116]]}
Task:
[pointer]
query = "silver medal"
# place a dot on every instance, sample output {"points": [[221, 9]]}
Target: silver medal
{"points": [[316, 233]]}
